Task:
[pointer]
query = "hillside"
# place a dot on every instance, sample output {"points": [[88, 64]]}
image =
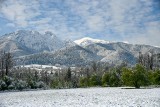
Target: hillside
{"points": [[32, 47]]}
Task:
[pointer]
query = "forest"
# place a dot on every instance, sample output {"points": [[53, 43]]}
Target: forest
{"points": [[96, 74]]}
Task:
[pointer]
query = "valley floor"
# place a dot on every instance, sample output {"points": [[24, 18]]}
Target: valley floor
{"points": [[89, 97]]}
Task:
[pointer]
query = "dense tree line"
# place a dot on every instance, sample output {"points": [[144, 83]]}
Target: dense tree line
{"points": [[95, 74], [115, 77]]}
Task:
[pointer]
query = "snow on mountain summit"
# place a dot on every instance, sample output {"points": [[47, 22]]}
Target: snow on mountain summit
{"points": [[32, 47], [87, 41], [31, 41]]}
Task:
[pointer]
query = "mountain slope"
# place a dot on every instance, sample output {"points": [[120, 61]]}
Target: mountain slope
{"points": [[30, 42], [32, 47], [120, 52], [73, 55]]}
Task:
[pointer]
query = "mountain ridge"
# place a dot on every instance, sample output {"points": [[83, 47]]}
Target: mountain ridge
{"points": [[87, 41], [47, 48]]}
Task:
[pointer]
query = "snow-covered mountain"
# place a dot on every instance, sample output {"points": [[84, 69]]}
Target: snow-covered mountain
{"points": [[119, 52], [87, 41], [28, 42], [72, 55], [32, 47]]}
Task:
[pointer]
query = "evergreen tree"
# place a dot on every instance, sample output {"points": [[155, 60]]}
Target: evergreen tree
{"points": [[95, 80], [68, 75], [105, 79]]}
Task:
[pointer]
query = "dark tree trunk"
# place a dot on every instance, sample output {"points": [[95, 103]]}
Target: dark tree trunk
{"points": [[137, 85]]}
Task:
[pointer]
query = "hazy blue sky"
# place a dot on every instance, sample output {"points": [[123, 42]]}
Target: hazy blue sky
{"points": [[134, 21]]}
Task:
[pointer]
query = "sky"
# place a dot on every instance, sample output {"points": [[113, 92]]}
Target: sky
{"points": [[132, 21]]}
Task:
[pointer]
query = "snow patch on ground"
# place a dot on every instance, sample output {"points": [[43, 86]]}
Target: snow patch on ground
{"points": [[40, 66], [83, 97]]}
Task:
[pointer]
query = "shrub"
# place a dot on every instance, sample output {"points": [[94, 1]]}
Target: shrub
{"points": [[20, 85], [136, 77], [11, 87], [95, 80], [32, 84], [84, 82], [157, 77], [54, 83], [8, 80], [105, 79], [139, 76], [126, 77], [111, 78], [40, 84], [3, 85]]}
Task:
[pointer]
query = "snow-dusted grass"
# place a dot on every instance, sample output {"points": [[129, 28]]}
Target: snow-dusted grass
{"points": [[90, 97]]}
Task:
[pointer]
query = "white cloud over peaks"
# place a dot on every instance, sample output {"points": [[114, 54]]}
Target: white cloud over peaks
{"points": [[10, 24], [40, 21], [95, 23], [19, 11], [150, 37], [90, 13], [135, 21]]}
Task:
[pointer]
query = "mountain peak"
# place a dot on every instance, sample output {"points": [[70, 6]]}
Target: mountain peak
{"points": [[49, 33], [69, 43], [32, 41], [87, 41]]}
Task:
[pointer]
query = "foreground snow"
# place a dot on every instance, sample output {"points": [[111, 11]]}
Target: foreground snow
{"points": [[103, 97]]}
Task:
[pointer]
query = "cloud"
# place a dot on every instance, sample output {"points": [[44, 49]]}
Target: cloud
{"points": [[95, 23], [40, 21], [150, 35], [10, 25], [1, 3], [91, 15], [19, 12], [135, 21]]}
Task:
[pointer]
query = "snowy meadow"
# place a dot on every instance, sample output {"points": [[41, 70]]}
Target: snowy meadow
{"points": [[83, 97]]}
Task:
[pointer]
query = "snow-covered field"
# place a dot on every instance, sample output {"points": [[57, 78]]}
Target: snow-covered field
{"points": [[90, 97]]}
